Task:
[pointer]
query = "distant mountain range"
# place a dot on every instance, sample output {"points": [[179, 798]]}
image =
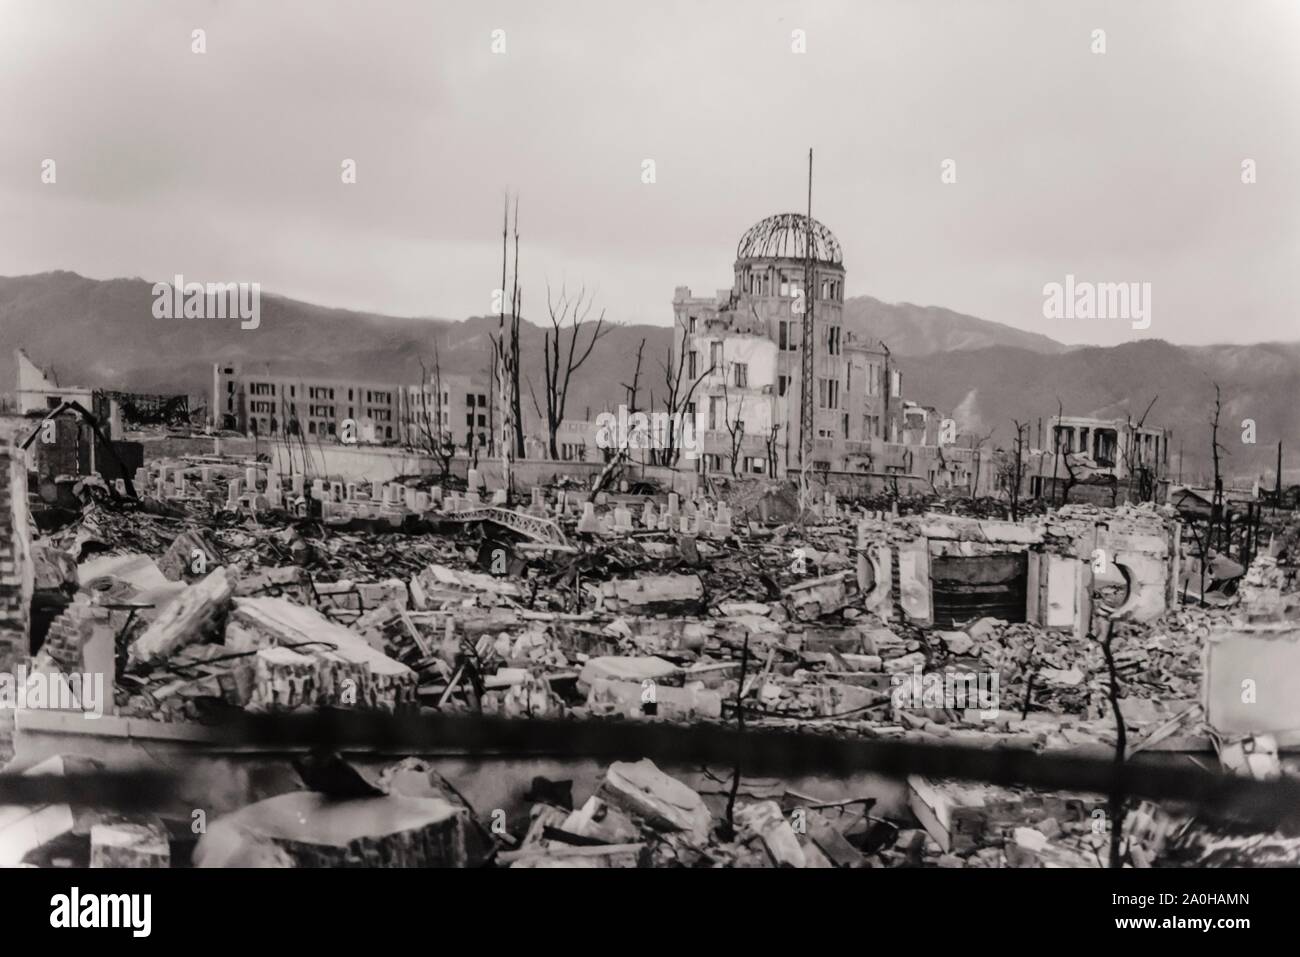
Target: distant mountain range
{"points": [[103, 333]]}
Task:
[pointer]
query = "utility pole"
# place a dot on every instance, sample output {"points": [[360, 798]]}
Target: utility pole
{"points": [[806, 360]]}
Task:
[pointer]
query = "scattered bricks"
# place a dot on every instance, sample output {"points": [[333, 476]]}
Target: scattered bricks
{"points": [[196, 614], [309, 829], [191, 555], [290, 581], [642, 790], [810, 600], [82, 640], [129, 844]]}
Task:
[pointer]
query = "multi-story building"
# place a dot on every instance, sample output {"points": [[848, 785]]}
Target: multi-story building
{"points": [[463, 410], [270, 401], [747, 342]]}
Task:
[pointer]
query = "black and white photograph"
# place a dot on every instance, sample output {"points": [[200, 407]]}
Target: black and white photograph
{"points": [[596, 434]]}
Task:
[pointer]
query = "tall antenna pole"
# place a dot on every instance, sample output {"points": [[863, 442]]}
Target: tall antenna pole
{"points": [[807, 368]]}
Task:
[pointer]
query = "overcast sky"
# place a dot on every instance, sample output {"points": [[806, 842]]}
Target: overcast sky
{"points": [[225, 166]]}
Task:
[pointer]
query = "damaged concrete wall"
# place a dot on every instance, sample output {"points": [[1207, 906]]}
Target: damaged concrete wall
{"points": [[16, 570], [1068, 555]]}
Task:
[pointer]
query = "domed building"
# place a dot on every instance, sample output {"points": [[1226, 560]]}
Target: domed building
{"points": [[747, 344]]}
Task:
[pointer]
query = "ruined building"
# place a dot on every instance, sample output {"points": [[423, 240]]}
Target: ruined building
{"points": [[264, 401], [748, 339]]}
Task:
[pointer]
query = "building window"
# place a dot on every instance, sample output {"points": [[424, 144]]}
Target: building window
{"points": [[713, 412], [782, 384], [833, 340], [898, 383], [741, 375], [482, 401], [715, 355], [692, 364], [690, 325], [828, 393]]}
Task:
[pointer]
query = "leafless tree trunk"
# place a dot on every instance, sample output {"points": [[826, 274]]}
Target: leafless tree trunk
{"points": [[505, 350], [1133, 457], [618, 459], [977, 461], [1017, 469], [563, 360], [772, 463], [433, 437], [736, 427], [677, 377], [1216, 507]]}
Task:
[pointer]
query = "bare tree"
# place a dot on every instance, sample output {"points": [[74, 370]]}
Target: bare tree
{"points": [[1132, 455], [1017, 472], [563, 359], [618, 456], [432, 437], [771, 444], [505, 351], [1216, 506], [1061, 456], [977, 460], [735, 427], [677, 377]]}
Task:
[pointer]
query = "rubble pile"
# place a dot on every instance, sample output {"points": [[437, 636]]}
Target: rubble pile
{"points": [[232, 588]]}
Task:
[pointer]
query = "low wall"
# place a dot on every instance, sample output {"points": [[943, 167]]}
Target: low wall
{"points": [[384, 464]]}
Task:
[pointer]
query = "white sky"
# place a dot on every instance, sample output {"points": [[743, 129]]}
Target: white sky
{"points": [[226, 166]]}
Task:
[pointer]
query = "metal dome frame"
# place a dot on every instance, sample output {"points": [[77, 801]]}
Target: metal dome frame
{"points": [[784, 236]]}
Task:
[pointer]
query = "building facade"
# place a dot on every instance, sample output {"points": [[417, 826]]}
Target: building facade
{"points": [[747, 343], [269, 402]]}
